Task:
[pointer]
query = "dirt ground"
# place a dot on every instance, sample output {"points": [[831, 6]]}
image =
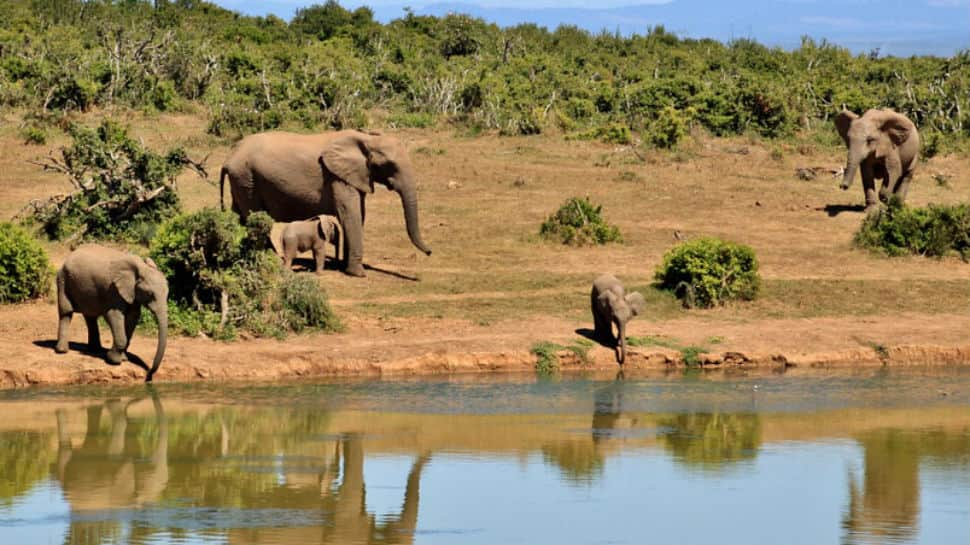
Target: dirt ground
{"points": [[492, 288]]}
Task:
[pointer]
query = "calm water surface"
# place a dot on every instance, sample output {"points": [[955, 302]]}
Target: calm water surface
{"points": [[873, 457]]}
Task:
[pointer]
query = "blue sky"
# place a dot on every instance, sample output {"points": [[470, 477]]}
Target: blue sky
{"points": [[895, 27]]}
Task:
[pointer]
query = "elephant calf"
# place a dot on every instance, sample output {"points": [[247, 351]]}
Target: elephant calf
{"points": [[612, 305], [312, 234], [97, 281]]}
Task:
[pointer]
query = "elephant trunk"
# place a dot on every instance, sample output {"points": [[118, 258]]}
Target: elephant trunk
{"points": [[409, 200], [161, 314], [621, 342], [851, 166]]}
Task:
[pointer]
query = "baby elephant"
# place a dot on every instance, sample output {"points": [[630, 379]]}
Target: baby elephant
{"points": [[312, 234], [612, 305], [97, 281]]}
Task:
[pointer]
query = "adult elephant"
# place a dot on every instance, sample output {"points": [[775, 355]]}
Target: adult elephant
{"points": [[882, 144], [297, 176]]}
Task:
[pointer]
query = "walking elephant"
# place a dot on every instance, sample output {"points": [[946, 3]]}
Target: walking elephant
{"points": [[295, 176], [882, 144], [612, 305], [97, 281]]}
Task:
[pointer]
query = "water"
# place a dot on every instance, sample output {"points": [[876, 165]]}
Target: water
{"points": [[870, 457]]}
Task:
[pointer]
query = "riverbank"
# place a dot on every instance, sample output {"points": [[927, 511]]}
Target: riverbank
{"points": [[400, 348]]}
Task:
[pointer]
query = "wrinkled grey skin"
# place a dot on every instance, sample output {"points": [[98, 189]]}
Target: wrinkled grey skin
{"points": [[612, 305], [312, 234], [297, 176], [882, 145], [97, 281]]}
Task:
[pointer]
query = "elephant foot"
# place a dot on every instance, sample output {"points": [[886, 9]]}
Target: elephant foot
{"points": [[355, 270], [115, 357], [873, 209], [60, 348]]}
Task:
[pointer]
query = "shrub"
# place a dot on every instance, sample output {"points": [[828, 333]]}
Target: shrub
{"points": [[708, 272], [669, 128], [34, 135], [579, 222], [224, 277], [301, 304], [120, 186], [25, 271], [934, 231], [614, 133]]}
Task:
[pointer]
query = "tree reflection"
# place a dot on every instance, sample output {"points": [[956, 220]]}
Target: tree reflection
{"points": [[712, 441], [887, 507], [24, 460]]}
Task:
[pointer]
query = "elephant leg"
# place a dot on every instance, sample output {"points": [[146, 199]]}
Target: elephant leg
{"points": [[94, 334], [64, 312], [869, 186], [349, 212], [319, 256], [894, 174], [903, 187], [132, 315], [288, 255], [621, 342], [116, 321]]}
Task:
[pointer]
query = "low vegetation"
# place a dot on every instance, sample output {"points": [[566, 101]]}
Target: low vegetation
{"points": [[25, 272], [579, 222], [708, 272], [121, 189], [936, 230], [333, 67], [224, 277], [547, 354]]}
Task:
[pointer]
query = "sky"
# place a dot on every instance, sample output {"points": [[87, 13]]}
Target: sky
{"points": [[894, 27]]}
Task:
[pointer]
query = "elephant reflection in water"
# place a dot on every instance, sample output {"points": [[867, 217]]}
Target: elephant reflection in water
{"points": [[582, 459], [108, 471], [344, 505]]}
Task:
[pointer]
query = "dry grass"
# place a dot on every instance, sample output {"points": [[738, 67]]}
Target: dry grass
{"points": [[489, 264]]}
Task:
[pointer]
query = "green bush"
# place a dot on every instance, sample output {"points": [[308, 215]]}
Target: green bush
{"points": [[707, 272], [211, 260], [34, 135], [935, 231], [302, 305], [121, 188], [668, 129], [578, 222], [25, 271]]}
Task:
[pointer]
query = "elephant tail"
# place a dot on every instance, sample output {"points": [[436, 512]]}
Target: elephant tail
{"points": [[222, 182]]}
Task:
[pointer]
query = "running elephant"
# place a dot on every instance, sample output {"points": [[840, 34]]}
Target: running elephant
{"points": [[298, 176], [882, 145]]}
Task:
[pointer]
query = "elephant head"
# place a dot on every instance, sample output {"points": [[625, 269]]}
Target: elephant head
{"points": [[138, 281], [624, 309], [328, 228], [876, 133], [360, 159]]}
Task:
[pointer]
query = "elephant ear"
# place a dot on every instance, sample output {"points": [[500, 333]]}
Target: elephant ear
{"points": [[842, 123], [346, 157], [325, 228], [637, 303], [123, 279], [897, 127]]}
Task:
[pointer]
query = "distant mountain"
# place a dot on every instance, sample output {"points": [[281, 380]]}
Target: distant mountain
{"points": [[895, 27]]}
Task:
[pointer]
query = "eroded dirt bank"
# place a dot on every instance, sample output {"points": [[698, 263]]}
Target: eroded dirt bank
{"points": [[403, 348]]}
